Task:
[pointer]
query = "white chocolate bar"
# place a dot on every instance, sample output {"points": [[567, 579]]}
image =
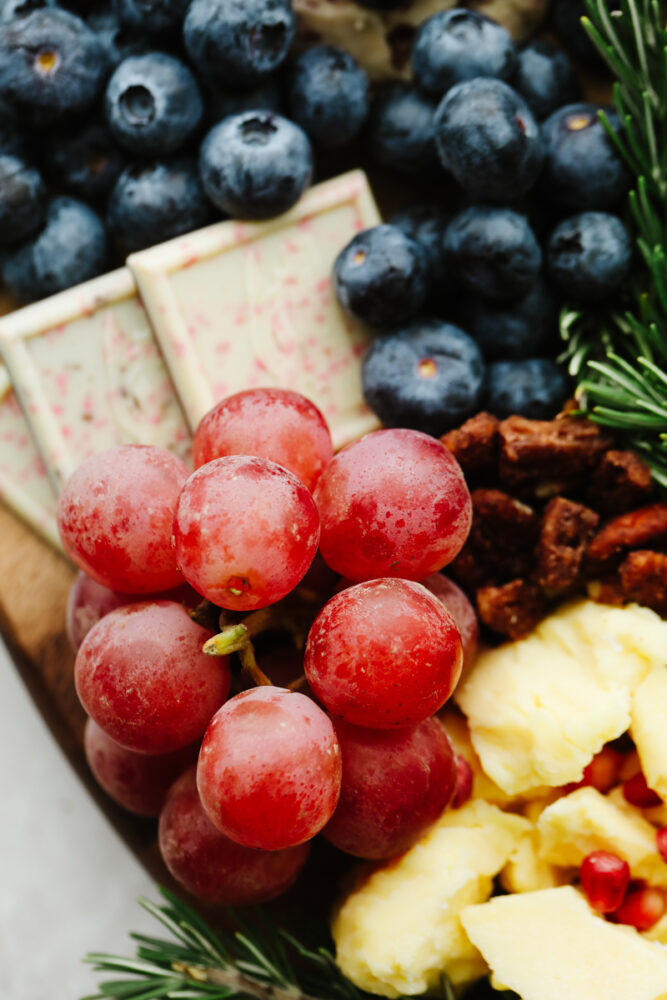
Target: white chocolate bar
{"points": [[89, 374], [24, 483], [239, 304]]}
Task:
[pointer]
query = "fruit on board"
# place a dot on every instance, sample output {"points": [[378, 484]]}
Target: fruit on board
{"points": [[401, 132], [428, 375], [383, 654], [604, 878], [370, 525], [381, 277], [142, 676], [269, 769], [394, 786], [328, 95], [399, 928], [573, 952], [245, 531], [533, 387], [589, 255], [277, 424], [580, 666], [211, 866], [138, 782]]}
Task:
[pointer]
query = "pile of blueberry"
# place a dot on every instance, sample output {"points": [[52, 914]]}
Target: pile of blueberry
{"points": [[531, 225], [124, 123]]}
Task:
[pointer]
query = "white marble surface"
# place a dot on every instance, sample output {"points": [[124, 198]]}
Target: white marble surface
{"points": [[67, 882]]}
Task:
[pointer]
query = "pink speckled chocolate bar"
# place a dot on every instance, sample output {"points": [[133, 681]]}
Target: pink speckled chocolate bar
{"points": [[24, 483], [88, 373], [240, 304]]}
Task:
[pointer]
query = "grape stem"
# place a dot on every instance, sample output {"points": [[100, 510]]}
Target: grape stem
{"points": [[236, 639]]}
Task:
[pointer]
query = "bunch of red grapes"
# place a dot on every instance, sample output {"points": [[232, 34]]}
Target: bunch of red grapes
{"points": [[241, 784]]}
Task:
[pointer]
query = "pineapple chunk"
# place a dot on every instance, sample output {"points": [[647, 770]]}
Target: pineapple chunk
{"points": [[649, 729], [459, 734], [400, 929], [550, 945], [586, 821], [540, 708], [526, 871], [658, 932]]}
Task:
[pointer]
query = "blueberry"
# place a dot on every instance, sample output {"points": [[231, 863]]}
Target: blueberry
{"points": [[154, 202], [51, 65], [152, 16], [589, 255], [116, 39], [255, 165], [22, 200], [457, 45], [582, 170], [71, 248], [425, 223], [240, 43], [10, 137], [523, 329], [328, 95], [493, 251], [381, 276], [152, 104], [84, 161], [10, 9], [221, 101], [428, 376], [401, 132], [545, 78], [535, 388], [488, 139]]}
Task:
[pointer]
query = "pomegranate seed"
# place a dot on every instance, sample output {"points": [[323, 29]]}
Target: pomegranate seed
{"points": [[641, 908], [604, 879], [637, 792], [602, 773], [661, 839], [464, 778]]}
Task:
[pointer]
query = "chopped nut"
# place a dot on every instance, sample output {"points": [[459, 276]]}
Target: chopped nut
{"points": [[621, 482], [500, 545], [549, 456], [513, 609], [566, 530], [644, 579], [636, 529], [476, 445]]}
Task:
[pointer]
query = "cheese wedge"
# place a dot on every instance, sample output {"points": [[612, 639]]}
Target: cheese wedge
{"points": [[586, 821], [649, 729], [550, 945], [540, 708], [400, 929]]}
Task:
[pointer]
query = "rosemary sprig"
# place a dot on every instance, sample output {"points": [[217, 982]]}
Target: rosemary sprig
{"points": [[620, 359], [202, 964]]}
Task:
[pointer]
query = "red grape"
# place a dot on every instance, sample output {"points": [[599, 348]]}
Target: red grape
{"points": [[210, 865], [395, 784], [384, 653], [269, 769], [141, 675], [461, 610], [89, 601], [394, 503], [138, 782], [115, 516], [277, 424], [246, 531]]}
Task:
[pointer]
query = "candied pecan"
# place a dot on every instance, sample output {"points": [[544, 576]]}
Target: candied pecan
{"points": [[506, 521], [636, 529], [644, 579], [621, 482], [547, 457], [567, 528], [475, 445], [513, 609]]}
